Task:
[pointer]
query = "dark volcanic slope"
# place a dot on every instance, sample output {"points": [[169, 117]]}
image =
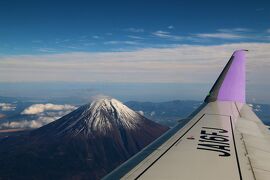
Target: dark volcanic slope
{"points": [[85, 144]]}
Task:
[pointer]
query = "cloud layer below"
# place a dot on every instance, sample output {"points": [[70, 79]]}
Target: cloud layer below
{"points": [[40, 108], [7, 107], [38, 115]]}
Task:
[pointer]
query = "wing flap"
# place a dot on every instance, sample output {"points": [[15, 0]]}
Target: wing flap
{"points": [[256, 140]]}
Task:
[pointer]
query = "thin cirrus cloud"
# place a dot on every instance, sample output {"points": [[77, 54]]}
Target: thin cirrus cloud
{"points": [[138, 38], [166, 35], [239, 29], [229, 34], [221, 35], [120, 42], [135, 30], [95, 37], [47, 50], [135, 37]]}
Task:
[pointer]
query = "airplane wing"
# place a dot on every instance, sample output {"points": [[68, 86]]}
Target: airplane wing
{"points": [[222, 140]]}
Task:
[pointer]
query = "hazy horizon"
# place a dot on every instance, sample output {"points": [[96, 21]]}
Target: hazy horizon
{"points": [[153, 92]]}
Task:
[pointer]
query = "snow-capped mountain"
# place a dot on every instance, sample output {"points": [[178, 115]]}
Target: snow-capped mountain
{"points": [[84, 144], [101, 117]]}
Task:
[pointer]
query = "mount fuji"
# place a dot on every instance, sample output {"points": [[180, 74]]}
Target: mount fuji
{"points": [[85, 144]]}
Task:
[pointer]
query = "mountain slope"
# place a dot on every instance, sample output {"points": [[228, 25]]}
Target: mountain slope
{"points": [[85, 144]]}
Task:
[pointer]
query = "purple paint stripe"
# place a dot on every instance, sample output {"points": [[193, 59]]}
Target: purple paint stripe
{"points": [[233, 87]]}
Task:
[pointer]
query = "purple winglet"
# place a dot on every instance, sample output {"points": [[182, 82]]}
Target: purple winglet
{"points": [[233, 86]]}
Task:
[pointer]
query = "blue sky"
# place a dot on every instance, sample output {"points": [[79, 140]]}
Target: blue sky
{"points": [[182, 43], [38, 27]]}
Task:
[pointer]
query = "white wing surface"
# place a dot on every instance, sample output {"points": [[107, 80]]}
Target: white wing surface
{"points": [[222, 140]]}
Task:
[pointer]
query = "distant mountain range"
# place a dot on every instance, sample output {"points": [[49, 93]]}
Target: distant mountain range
{"points": [[84, 144], [169, 113], [166, 113]]}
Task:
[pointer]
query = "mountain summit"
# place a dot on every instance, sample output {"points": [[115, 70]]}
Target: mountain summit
{"points": [[84, 144], [101, 117]]}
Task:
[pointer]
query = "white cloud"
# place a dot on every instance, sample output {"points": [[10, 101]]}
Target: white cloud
{"points": [[7, 107], [40, 108], [161, 34], [221, 35], [19, 124], [121, 42], [46, 50], [152, 113], [167, 35], [228, 34], [162, 65], [95, 37], [135, 30], [141, 113], [235, 30], [170, 27], [268, 30], [28, 124], [42, 114]]}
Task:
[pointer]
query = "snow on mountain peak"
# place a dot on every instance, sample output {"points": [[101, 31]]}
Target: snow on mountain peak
{"points": [[110, 105], [109, 111], [102, 116]]}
